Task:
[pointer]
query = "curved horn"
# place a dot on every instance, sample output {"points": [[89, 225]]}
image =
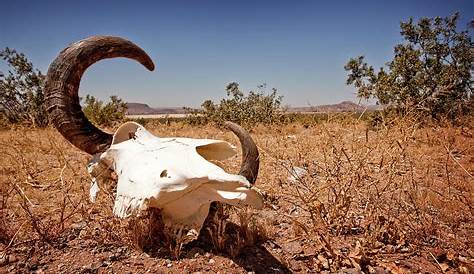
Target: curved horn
{"points": [[62, 86], [250, 157]]}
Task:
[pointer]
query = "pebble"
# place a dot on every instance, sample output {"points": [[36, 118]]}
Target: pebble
{"points": [[12, 259], [211, 261], [349, 271], [324, 262], [404, 249], [4, 259], [114, 257]]}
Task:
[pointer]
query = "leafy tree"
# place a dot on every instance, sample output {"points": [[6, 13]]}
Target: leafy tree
{"points": [[22, 97], [430, 73], [256, 107], [21, 90], [104, 114]]}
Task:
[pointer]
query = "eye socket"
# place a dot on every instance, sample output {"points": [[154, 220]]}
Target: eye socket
{"points": [[125, 132], [218, 151]]}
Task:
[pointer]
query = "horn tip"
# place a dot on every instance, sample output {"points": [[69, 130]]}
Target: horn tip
{"points": [[149, 65]]}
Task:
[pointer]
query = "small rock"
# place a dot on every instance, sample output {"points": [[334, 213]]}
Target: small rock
{"points": [[88, 268], [380, 270], [404, 249], [296, 266], [296, 174], [292, 247], [83, 234], [324, 262], [212, 261], [114, 257], [451, 255], [79, 225], [444, 266], [207, 255], [194, 252], [349, 271], [377, 270], [33, 266], [12, 259], [4, 259]]}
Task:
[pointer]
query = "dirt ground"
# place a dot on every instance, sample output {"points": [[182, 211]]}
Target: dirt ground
{"points": [[340, 197]]}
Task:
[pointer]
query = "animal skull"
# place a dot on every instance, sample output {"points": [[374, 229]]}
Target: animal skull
{"points": [[175, 175]]}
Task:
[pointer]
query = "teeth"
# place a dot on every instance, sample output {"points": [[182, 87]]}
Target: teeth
{"points": [[94, 189], [125, 206]]}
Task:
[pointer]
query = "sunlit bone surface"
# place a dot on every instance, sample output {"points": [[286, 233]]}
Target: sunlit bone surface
{"points": [[172, 174]]}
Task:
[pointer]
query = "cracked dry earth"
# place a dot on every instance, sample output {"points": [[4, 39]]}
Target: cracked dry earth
{"points": [[339, 198]]}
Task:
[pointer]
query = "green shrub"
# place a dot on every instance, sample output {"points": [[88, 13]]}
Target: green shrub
{"points": [[248, 110], [104, 114], [430, 74], [21, 91]]}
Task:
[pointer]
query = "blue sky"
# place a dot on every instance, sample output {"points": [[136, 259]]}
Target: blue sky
{"points": [[298, 47]]}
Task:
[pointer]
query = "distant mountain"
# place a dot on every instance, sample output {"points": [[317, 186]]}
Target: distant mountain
{"points": [[345, 106], [139, 108]]}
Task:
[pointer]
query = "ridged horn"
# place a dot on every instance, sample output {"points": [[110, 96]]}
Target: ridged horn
{"points": [[62, 86], [250, 157]]}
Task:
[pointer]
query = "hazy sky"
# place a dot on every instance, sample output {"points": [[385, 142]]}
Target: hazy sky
{"points": [[298, 47]]}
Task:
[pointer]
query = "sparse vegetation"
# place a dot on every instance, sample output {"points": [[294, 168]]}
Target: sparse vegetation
{"points": [[247, 110], [22, 98], [368, 198], [104, 114], [21, 91]]}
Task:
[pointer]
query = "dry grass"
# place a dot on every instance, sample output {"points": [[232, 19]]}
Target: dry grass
{"points": [[366, 198]]}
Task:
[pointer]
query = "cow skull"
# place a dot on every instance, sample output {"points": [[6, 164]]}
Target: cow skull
{"points": [[175, 175]]}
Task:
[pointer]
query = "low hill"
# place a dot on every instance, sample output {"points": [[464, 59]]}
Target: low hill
{"points": [[345, 106], [139, 108]]}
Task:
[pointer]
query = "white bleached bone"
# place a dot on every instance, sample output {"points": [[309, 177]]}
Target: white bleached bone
{"points": [[173, 174]]}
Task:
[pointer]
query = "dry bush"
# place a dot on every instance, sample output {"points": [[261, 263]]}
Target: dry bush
{"points": [[230, 230], [41, 192], [401, 185]]}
